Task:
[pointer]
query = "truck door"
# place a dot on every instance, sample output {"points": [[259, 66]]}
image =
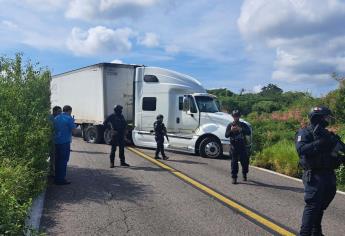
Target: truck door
{"points": [[189, 116]]}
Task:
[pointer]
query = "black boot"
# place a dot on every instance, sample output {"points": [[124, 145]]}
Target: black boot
{"points": [[244, 177], [112, 164], [234, 180], [124, 164]]}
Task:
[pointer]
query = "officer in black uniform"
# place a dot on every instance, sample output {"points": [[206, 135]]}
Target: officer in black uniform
{"points": [[160, 133], [315, 146], [236, 131], [117, 123]]}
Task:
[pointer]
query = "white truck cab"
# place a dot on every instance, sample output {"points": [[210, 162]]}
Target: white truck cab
{"points": [[192, 117]]}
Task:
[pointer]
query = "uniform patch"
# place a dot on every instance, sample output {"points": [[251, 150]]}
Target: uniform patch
{"points": [[299, 138]]}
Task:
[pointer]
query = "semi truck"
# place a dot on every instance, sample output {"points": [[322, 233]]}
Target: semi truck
{"points": [[192, 116]]}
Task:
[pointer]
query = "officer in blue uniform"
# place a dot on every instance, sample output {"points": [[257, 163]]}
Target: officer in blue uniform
{"points": [[118, 126], [315, 145], [160, 133], [236, 131]]}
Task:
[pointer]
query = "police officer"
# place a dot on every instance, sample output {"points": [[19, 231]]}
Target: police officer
{"points": [[314, 145], [117, 123], [236, 131], [160, 132]]}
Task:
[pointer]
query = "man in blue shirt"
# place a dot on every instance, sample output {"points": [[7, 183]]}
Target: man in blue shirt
{"points": [[63, 126]]}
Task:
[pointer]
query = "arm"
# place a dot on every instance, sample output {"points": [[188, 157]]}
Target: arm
{"points": [[106, 122], [228, 131], [245, 129], [305, 145], [71, 124], [165, 132]]}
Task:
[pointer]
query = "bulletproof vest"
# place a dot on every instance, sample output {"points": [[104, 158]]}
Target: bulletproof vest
{"points": [[119, 123], [321, 160], [237, 137], [159, 129]]}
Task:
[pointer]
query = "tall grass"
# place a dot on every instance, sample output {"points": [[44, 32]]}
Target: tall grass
{"points": [[281, 157]]}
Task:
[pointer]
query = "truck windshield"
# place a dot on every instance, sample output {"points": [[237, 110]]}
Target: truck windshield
{"points": [[206, 104]]}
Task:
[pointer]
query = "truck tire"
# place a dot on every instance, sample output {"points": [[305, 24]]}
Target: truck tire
{"points": [[94, 134], [107, 136], [210, 147]]}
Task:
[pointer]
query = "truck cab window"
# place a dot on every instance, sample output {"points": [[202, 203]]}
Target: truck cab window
{"points": [[149, 103], [180, 103], [151, 79], [206, 104]]}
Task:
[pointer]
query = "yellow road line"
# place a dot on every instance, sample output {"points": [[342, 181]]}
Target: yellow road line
{"points": [[269, 224]]}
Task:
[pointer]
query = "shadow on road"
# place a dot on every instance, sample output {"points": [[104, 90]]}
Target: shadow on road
{"points": [[257, 183], [187, 162], [90, 152], [90, 186]]}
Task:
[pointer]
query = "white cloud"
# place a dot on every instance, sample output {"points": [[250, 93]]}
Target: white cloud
{"points": [[46, 5], [9, 24], [257, 88], [100, 40], [117, 61], [172, 49], [107, 9], [149, 40], [307, 35]]}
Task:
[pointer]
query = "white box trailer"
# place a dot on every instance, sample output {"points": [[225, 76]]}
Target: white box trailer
{"points": [[192, 116], [94, 90]]}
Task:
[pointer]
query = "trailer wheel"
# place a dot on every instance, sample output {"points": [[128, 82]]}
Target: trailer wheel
{"points": [[83, 129], [94, 134], [107, 136], [210, 147]]}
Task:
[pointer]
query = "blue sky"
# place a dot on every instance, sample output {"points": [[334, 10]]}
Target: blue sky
{"points": [[235, 44]]}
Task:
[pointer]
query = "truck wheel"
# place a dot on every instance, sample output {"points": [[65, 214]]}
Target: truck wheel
{"points": [[94, 134], [210, 148], [83, 129], [107, 136]]}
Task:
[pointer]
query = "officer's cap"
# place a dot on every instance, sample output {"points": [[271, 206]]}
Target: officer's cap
{"points": [[236, 113], [118, 108]]}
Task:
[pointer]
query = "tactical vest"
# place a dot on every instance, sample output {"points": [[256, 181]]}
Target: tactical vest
{"points": [[321, 160]]}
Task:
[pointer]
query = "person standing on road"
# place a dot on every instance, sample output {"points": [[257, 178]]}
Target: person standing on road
{"points": [[236, 131], [315, 147], [63, 126], [55, 112], [160, 133], [117, 123]]}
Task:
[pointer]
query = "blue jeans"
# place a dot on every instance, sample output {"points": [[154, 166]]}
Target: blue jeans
{"points": [[62, 152]]}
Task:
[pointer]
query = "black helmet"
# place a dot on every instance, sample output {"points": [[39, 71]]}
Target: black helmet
{"points": [[118, 108], [160, 116], [319, 112], [236, 113]]}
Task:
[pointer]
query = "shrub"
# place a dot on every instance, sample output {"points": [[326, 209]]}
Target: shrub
{"points": [[24, 139], [281, 157]]}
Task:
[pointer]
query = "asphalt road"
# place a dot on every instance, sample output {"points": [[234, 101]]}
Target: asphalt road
{"points": [[146, 199]]}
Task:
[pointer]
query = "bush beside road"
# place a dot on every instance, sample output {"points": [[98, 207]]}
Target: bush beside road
{"points": [[25, 135]]}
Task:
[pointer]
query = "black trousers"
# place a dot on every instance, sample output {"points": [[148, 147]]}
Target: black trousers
{"points": [[160, 146], [319, 191], [117, 140], [239, 153]]}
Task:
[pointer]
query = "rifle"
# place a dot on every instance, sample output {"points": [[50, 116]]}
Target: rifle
{"points": [[339, 148]]}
